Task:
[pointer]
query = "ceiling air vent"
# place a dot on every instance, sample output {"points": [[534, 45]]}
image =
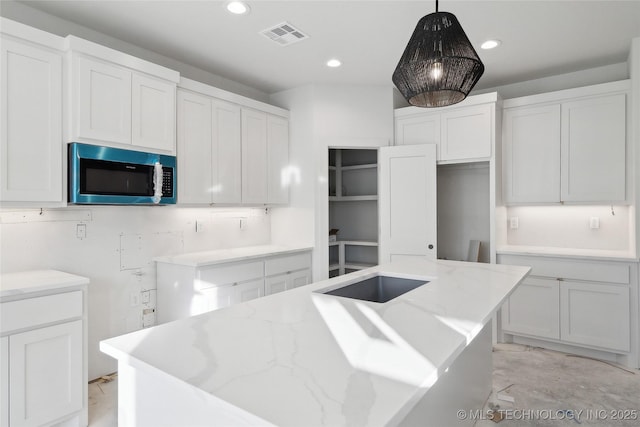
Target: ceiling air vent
{"points": [[284, 34]]}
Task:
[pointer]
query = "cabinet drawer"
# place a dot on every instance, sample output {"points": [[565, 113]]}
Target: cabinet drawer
{"points": [[285, 264], [226, 274], [592, 271], [31, 312]]}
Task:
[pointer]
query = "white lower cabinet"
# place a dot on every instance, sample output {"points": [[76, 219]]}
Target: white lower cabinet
{"points": [[188, 290], [577, 302], [43, 373]]}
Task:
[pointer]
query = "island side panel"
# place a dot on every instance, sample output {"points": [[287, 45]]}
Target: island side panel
{"points": [[464, 387]]}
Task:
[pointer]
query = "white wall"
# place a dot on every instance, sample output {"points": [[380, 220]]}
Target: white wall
{"points": [[324, 116], [634, 72], [21, 12], [116, 254]]}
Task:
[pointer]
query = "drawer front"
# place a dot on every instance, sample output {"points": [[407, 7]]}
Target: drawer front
{"points": [[284, 264], [587, 270], [31, 312], [226, 274]]}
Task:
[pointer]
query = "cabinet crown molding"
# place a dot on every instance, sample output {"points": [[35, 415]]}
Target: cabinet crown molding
{"points": [[34, 35]]}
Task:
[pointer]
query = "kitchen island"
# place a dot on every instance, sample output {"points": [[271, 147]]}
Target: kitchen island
{"points": [[304, 358]]}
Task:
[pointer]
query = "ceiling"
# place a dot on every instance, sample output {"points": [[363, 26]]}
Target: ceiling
{"points": [[539, 38]]}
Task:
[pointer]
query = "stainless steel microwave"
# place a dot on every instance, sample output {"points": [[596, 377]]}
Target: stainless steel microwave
{"points": [[113, 176]]}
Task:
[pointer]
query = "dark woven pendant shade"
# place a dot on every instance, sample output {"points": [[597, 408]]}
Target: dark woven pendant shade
{"points": [[439, 66]]}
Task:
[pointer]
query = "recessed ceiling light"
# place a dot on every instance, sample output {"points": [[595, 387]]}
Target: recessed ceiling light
{"points": [[238, 7], [490, 44], [334, 63]]}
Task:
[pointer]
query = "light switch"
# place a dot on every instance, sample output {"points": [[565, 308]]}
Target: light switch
{"points": [[81, 231]]}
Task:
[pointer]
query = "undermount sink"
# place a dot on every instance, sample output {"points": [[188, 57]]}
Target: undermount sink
{"points": [[377, 288]]}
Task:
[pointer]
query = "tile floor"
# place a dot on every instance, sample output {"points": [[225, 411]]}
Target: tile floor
{"points": [[545, 386]]}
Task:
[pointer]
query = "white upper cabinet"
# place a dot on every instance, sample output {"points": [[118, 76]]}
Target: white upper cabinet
{"points": [[31, 120], [461, 133], [466, 133], [531, 154], [228, 154], [194, 148], [567, 146], [153, 113], [102, 102], [593, 149], [120, 100], [278, 169]]}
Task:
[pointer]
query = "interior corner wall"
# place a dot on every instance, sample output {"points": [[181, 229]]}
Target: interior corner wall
{"points": [[27, 15], [634, 72]]}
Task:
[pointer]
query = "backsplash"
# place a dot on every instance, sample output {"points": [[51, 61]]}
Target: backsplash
{"points": [[113, 246], [570, 227]]}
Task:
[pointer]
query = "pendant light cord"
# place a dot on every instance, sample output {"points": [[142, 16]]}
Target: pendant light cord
{"points": [[436, 6]]}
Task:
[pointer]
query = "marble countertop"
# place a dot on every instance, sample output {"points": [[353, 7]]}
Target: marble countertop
{"points": [[199, 259], [595, 254], [19, 283], [305, 358]]}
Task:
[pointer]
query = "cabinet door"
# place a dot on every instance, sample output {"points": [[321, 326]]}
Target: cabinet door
{"points": [[279, 174], [299, 278], [421, 129], [466, 133], [213, 298], [226, 153], [531, 154], [533, 309], [153, 109], [31, 124], [595, 314], [103, 101], [194, 148], [407, 202], [45, 374], [254, 157], [248, 290], [593, 149], [275, 284], [4, 382]]}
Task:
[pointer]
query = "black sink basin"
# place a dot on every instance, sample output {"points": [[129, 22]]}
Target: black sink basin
{"points": [[377, 289]]}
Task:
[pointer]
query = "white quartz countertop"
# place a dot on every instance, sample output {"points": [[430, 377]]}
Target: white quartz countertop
{"points": [[199, 259], [35, 281], [595, 254], [305, 358]]}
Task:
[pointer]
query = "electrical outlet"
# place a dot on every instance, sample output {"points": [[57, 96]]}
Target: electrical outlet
{"points": [[148, 317], [81, 231], [146, 297], [199, 226], [513, 223], [594, 223]]}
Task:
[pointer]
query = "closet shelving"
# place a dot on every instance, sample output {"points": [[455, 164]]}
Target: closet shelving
{"points": [[353, 209]]}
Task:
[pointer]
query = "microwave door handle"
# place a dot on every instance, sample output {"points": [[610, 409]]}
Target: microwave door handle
{"points": [[157, 182]]}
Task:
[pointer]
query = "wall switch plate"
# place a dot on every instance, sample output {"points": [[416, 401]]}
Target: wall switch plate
{"points": [[199, 226], [594, 223], [513, 223]]}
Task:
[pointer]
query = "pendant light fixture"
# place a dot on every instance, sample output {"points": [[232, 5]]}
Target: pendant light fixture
{"points": [[439, 66]]}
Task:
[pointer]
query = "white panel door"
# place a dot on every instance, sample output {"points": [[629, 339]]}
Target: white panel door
{"points": [[595, 314], [194, 148], [31, 123], [407, 201], [466, 133], [103, 104], [254, 157], [533, 309], [153, 113], [593, 149], [226, 153], [279, 174], [531, 154], [46, 374]]}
